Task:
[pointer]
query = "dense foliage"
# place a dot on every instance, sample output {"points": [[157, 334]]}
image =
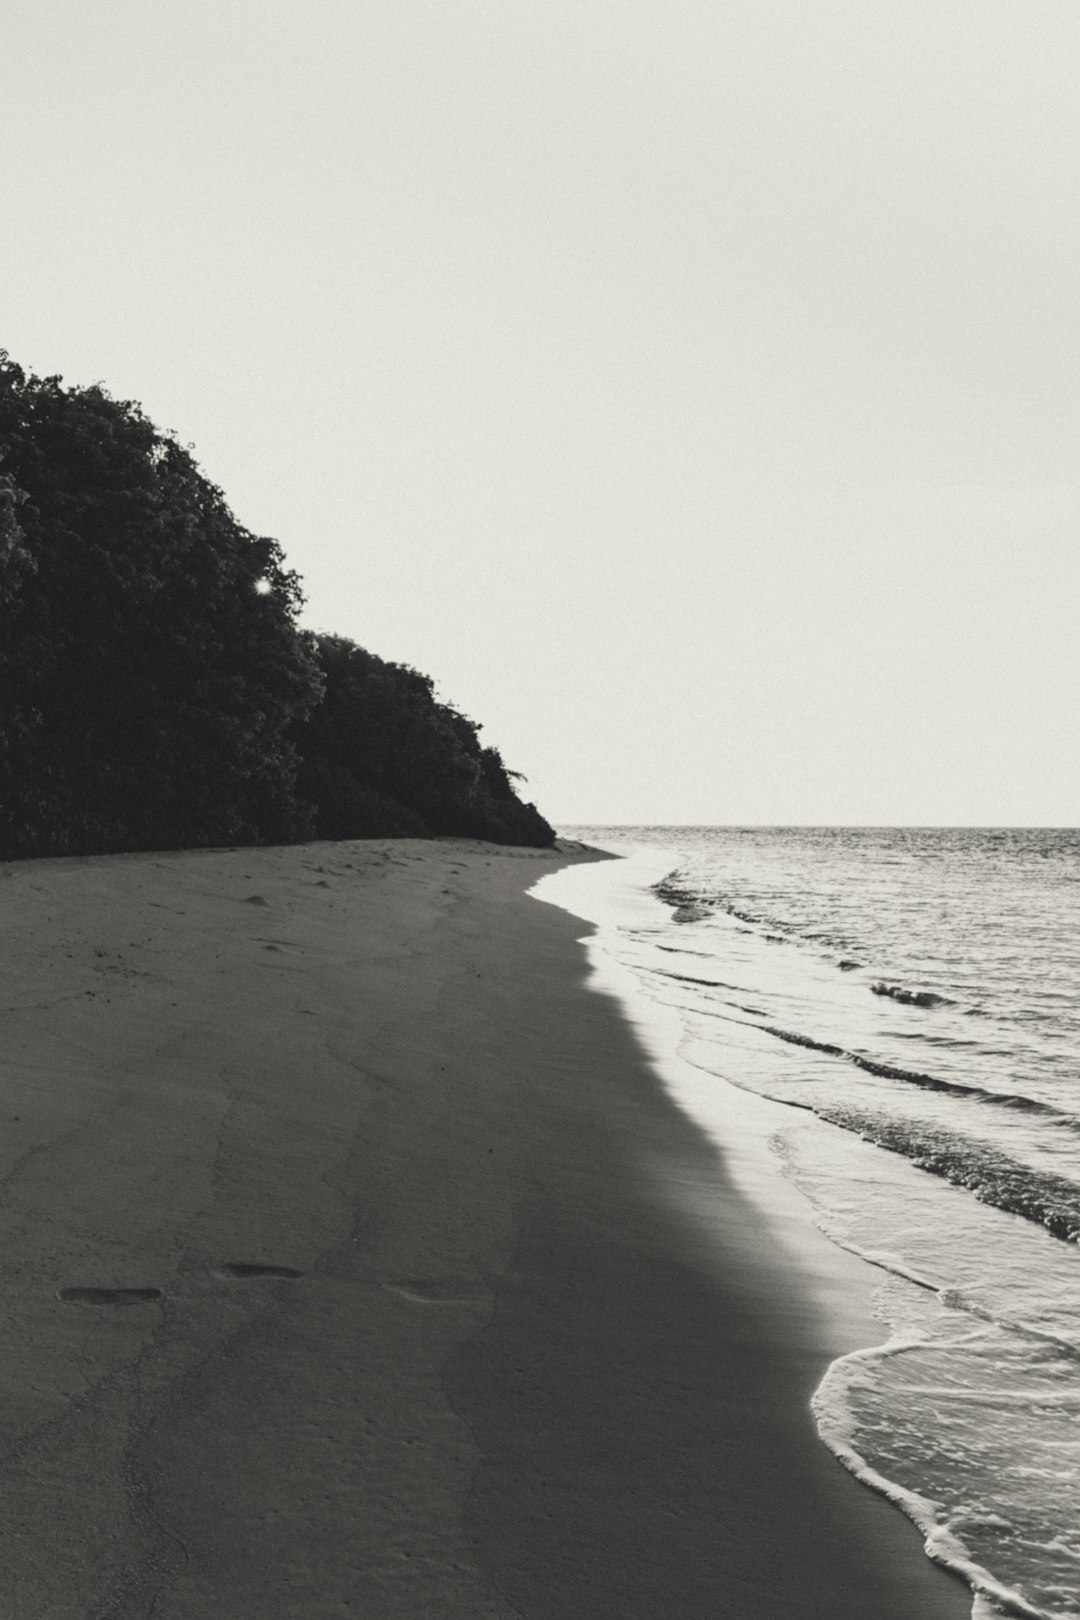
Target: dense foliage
{"points": [[155, 689], [381, 755]]}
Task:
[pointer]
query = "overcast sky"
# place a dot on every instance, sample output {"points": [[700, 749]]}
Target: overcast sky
{"points": [[691, 387]]}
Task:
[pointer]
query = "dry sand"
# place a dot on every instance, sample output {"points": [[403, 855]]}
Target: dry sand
{"points": [[427, 1345]]}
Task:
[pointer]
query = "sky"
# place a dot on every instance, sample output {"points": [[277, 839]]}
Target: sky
{"points": [[691, 387]]}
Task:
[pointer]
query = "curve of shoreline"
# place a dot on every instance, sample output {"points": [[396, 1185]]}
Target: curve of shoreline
{"points": [[332, 1285]]}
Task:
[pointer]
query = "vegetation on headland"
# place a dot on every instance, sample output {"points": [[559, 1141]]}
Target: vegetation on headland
{"points": [[156, 690]]}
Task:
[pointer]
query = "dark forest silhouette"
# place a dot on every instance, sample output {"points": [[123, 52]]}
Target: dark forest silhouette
{"points": [[156, 691]]}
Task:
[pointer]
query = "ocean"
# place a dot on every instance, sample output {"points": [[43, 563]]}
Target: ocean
{"points": [[915, 993]]}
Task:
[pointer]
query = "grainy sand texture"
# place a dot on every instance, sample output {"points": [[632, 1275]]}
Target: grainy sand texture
{"points": [[332, 1283]]}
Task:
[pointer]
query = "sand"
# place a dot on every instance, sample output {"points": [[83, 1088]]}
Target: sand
{"points": [[332, 1286]]}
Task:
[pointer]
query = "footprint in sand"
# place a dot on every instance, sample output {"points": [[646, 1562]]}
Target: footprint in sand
{"points": [[242, 1270], [109, 1296]]}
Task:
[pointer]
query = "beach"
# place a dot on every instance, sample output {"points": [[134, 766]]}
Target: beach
{"points": [[348, 1268]]}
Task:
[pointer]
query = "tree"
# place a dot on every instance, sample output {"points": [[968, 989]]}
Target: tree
{"points": [[155, 689], [380, 744], [150, 689]]}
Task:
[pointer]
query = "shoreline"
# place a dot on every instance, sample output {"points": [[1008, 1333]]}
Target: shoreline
{"points": [[838, 1281], [427, 1339]]}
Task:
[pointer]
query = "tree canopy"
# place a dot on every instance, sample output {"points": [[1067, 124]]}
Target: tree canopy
{"points": [[380, 746], [156, 690]]}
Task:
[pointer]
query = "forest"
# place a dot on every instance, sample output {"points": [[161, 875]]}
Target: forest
{"points": [[156, 688]]}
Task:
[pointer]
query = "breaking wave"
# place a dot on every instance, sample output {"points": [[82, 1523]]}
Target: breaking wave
{"points": [[929, 1082], [993, 1177]]}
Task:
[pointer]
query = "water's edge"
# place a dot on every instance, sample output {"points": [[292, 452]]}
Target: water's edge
{"points": [[747, 1126]]}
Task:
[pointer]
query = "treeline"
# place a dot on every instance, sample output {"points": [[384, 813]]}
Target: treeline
{"points": [[156, 691]]}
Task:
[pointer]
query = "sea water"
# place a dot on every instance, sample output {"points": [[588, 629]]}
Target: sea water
{"points": [[916, 993]]}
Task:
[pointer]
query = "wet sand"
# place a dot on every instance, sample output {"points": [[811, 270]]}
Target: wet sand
{"points": [[332, 1283]]}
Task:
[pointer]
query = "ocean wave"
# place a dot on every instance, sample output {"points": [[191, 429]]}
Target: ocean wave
{"points": [[1016, 1101], [993, 1177], [910, 998], [838, 1429], [690, 906], [686, 906], [925, 1037], [687, 978]]}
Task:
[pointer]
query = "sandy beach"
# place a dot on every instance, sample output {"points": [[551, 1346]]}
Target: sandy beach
{"points": [[332, 1285]]}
